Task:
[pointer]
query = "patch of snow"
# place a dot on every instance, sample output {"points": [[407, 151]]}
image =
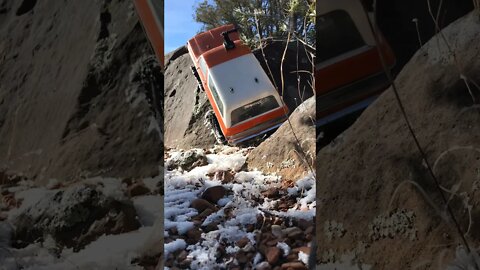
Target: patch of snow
{"points": [[148, 208], [258, 258], [223, 201], [30, 197], [93, 256], [303, 257], [107, 252], [152, 182], [284, 247], [111, 187], [174, 246]]}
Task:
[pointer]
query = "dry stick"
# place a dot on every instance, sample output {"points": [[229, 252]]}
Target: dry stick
{"points": [[281, 64], [310, 57], [449, 47], [298, 77], [418, 32], [412, 132], [281, 99]]}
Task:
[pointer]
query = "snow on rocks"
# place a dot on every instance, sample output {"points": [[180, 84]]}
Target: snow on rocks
{"points": [[220, 216], [90, 224]]}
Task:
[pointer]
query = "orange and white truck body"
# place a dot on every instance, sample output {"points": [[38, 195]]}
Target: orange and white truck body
{"points": [[244, 100], [349, 73]]}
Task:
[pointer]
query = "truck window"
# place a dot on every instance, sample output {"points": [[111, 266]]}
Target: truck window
{"points": [[217, 99], [203, 66], [336, 34], [253, 109]]}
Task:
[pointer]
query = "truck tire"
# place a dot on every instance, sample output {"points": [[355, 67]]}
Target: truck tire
{"points": [[212, 122], [195, 74]]}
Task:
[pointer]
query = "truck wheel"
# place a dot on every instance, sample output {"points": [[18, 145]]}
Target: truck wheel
{"points": [[195, 74], [212, 123]]}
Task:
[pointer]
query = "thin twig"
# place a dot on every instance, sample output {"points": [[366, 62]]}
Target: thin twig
{"points": [[374, 31]]}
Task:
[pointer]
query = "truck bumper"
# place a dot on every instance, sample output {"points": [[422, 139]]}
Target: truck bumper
{"points": [[256, 131]]}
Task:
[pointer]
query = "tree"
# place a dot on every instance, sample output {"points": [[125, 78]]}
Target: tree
{"points": [[267, 18]]}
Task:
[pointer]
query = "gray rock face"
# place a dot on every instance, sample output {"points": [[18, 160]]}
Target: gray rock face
{"points": [[72, 102], [185, 105], [281, 153], [373, 176]]}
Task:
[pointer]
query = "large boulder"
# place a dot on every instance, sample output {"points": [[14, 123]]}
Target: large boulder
{"points": [[377, 204], [73, 217], [186, 105], [76, 95], [290, 151]]}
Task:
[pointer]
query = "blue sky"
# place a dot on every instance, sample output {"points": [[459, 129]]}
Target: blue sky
{"points": [[180, 25]]}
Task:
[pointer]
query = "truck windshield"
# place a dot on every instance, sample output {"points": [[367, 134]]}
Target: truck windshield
{"points": [[253, 109], [336, 34]]}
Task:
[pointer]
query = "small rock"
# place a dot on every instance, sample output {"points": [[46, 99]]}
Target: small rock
{"points": [[194, 236], [273, 255], [241, 257], [309, 237], [272, 242], [207, 212], [294, 266], [263, 248], [185, 264], [250, 227], [201, 205], [213, 194], [137, 189], [173, 231], [263, 266], [292, 257], [271, 193], [210, 227], [224, 176], [277, 231], [293, 232], [182, 256], [243, 242], [305, 224], [283, 206]]}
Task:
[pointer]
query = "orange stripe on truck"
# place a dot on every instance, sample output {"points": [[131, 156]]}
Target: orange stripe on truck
{"points": [[351, 69], [153, 30]]}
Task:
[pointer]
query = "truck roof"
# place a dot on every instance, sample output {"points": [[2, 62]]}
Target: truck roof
{"points": [[209, 45], [241, 81], [210, 39]]}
